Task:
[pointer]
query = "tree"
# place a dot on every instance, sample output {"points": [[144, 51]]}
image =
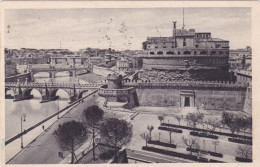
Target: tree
{"points": [[227, 118], [190, 142], [161, 118], [71, 135], [194, 118], [179, 118], [146, 137], [214, 123], [92, 117], [235, 123], [245, 151], [116, 132], [150, 129]]}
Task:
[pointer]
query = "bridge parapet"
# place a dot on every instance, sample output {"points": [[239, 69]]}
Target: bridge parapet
{"points": [[53, 85]]}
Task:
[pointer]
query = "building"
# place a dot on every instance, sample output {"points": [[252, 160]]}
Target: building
{"points": [[122, 65], [186, 55], [240, 58], [243, 76]]}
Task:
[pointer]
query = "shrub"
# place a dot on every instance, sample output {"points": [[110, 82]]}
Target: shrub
{"points": [[162, 144], [170, 129], [240, 159], [203, 135], [240, 141]]}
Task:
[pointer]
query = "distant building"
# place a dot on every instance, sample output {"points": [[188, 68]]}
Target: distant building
{"points": [[122, 65], [240, 58], [244, 76]]}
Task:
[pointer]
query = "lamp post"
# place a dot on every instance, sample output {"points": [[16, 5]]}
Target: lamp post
{"points": [[22, 120], [58, 117]]}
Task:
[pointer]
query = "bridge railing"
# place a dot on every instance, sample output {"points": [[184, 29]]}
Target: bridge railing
{"points": [[39, 67], [58, 85]]}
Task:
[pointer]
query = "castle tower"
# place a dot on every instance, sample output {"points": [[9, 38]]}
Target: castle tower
{"points": [[114, 81]]}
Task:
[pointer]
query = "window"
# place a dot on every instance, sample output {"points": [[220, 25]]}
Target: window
{"points": [[151, 53], [195, 52], [169, 53], [196, 46], [203, 52], [156, 47], [184, 42], [164, 46], [187, 52], [212, 52], [160, 53]]}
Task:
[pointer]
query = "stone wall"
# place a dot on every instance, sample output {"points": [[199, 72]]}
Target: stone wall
{"points": [[212, 99], [128, 95]]}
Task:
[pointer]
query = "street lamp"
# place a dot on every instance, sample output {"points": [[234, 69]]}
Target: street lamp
{"points": [[22, 120]]}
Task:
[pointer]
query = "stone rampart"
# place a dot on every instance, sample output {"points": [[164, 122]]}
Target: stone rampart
{"points": [[120, 95], [210, 95], [218, 85]]}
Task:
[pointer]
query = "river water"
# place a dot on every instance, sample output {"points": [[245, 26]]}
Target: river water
{"points": [[36, 111]]}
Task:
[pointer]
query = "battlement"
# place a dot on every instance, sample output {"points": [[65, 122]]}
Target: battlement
{"points": [[185, 84]]}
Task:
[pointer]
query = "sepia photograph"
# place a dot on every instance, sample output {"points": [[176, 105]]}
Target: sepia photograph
{"points": [[128, 85]]}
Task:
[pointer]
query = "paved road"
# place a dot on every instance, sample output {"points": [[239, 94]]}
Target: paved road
{"points": [[44, 150]]}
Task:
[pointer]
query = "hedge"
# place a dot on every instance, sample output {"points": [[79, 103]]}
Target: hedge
{"points": [[157, 142], [240, 141], [213, 160], [170, 129], [172, 153], [215, 132], [240, 159], [203, 135]]}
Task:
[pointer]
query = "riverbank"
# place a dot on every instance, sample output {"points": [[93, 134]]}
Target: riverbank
{"points": [[44, 149]]}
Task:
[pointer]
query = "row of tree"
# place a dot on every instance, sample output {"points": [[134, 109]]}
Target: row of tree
{"points": [[234, 122], [113, 132]]}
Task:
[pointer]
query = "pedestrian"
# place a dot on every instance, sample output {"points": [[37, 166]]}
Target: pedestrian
{"points": [[42, 127]]}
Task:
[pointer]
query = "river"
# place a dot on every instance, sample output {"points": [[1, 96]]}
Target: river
{"points": [[36, 111]]}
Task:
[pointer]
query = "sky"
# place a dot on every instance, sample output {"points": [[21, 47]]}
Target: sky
{"points": [[119, 29]]}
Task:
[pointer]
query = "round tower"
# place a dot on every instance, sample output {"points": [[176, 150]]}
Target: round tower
{"points": [[114, 81]]}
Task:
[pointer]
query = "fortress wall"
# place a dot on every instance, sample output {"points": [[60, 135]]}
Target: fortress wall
{"points": [[212, 99]]}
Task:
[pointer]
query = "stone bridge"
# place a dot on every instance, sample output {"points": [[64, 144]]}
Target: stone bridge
{"points": [[22, 91], [53, 69]]}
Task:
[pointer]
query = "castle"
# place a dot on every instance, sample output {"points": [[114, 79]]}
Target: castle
{"points": [[186, 55]]}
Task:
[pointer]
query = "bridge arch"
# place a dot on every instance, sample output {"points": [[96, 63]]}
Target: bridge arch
{"points": [[53, 92], [27, 92], [41, 72], [9, 91], [80, 94], [58, 73]]}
